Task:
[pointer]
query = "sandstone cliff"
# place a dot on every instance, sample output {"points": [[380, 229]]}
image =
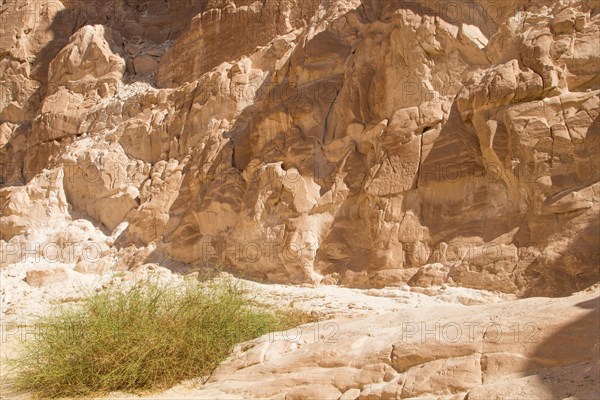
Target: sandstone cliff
{"points": [[361, 143]]}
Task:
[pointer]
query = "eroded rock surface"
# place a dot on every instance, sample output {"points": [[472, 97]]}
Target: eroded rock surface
{"points": [[360, 143], [526, 349]]}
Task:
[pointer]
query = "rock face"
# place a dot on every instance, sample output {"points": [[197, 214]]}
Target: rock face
{"points": [[361, 143], [47, 276], [526, 349]]}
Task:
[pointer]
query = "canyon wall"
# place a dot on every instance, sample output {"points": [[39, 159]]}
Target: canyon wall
{"points": [[360, 143]]}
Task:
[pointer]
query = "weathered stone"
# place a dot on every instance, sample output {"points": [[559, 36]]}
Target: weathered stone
{"points": [[145, 64], [48, 276], [356, 143], [94, 266]]}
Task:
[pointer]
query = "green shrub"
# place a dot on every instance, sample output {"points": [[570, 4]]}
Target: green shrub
{"points": [[147, 337]]}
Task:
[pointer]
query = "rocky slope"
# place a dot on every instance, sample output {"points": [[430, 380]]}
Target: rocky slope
{"points": [[527, 349]]}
